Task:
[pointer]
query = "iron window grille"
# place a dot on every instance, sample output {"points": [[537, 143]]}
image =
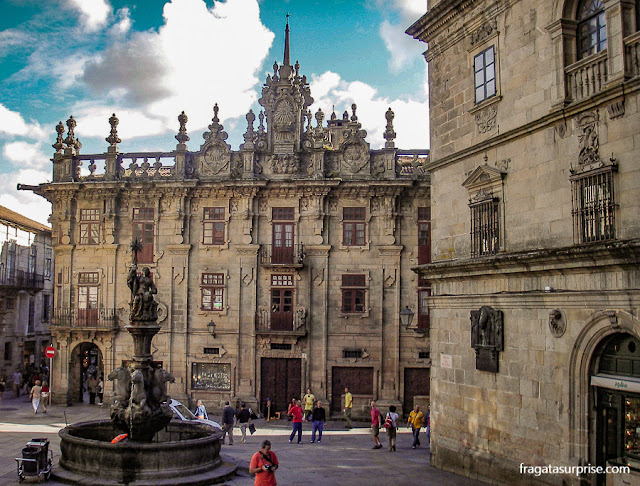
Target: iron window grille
{"points": [[212, 291], [353, 293], [352, 353], [484, 71], [89, 226], [354, 226], [281, 346], [211, 351], [213, 226], [592, 28], [594, 205], [485, 228]]}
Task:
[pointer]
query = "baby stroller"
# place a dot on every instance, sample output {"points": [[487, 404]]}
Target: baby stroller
{"points": [[36, 459]]}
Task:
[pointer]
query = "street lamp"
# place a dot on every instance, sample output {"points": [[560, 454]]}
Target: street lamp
{"points": [[406, 316], [211, 327]]}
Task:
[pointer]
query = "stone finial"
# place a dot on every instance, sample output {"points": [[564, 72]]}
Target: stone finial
{"points": [[345, 116], [320, 117], [113, 138], [250, 133], [70, 141], [59, 140], [297, 68], [216, 130], [354, 116], [389, 133], [261, 118], [182, 136], [333, 113]]}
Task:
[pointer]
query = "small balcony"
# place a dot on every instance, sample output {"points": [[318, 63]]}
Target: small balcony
{"points": [[282, 323], [587, 77], [282, 256], [21, 280], [100, 319]]}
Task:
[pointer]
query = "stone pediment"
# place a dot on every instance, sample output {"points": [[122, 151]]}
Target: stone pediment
{"points": [[483, 176]]}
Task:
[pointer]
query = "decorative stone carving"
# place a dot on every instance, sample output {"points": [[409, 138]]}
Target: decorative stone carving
{"points": [[284, 164], [487, 337], [59, 140], [389, 133], [216, 151], [616, 109], [485, 31], [557, 323], [182, 136], [113, 138], [486, 119]]}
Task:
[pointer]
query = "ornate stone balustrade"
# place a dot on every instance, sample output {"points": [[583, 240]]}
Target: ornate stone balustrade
{"points": [[632, 54], [587, 77]]}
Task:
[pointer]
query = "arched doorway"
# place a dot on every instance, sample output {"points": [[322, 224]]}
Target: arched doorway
{"points": [[615, 381], [86, 359]]}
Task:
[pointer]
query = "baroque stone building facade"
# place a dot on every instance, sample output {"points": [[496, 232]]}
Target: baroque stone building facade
{"points": [[280, 266], [26, 291], [536, 238]]}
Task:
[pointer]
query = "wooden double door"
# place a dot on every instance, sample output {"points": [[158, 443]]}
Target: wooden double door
{"points": [[359, 380], [417, 382], [281, 380]]}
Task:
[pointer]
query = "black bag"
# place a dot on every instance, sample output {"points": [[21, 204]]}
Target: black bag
{"points": [[252, 429]]}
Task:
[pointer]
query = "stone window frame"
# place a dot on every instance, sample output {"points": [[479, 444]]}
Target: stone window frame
{"points": [[89, 279], [481, 40], [367, 222], [209, 221], [203, 284], [281, 204], [485, 186], [601, 25], [88, 224], [484, 63], [366, 288]]}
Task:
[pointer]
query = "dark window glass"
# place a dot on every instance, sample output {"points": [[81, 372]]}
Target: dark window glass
{"points": [[484, 68], [592, 28], [283, 214]]}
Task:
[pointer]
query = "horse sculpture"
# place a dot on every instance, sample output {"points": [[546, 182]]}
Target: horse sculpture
{"points": [[123, 388], [138, 395], [159, 385]]}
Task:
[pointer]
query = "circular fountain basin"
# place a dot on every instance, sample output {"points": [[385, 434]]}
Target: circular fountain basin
{"points": [[180, 454]]}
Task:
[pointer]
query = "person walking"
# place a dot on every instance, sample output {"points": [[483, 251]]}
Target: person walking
{"points": [[376, 422], [244, 419], [348, 404], [44, 395], [228, 419], [92, 385], [17, 383], [201, 410], [296, 413], [35, 395], [264, 464], [319, 417], [100, 391], [416, 420], [308, 401], [391, 431]]}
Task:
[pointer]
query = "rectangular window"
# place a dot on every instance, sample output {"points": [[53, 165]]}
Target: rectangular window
{"points": [[353, 293], [9, 303], [283, 214], [46, 304], [89, 226], [352, 353], [212, 292], [7, 351], [424, 235], [593, 207], [33, 254], [424, 355], [143, 229], [282, 280], [211, 376], [211, 351], [424, 292], [484, 228], [484, 68], [213, 226], [353, 226], [281, 346], [48, 263], [85, 278]]}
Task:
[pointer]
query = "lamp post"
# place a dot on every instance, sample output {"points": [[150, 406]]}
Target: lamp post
{"points": [[211, 327], [406, 316]]}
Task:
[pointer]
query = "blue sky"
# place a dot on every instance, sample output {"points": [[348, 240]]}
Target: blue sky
{"points": [[148, 60]]}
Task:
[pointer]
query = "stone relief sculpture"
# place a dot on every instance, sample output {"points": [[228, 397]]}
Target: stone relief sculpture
{"points": [[487, 331]]}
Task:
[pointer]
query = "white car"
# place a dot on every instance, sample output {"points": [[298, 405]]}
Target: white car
{"points": [[180, 412]]}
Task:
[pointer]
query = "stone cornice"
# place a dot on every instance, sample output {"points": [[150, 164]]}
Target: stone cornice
{"points": [[390, 250], [573, 259], [442, 13], [247, 249], [178, 249], [317, 250]]}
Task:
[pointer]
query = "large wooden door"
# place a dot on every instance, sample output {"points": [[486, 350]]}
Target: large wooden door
{"points": [[359, 380], [281, 309], [282, 243], [281, 380], [416, 383]]}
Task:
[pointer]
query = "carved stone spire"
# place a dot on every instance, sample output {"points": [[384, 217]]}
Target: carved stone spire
{"points": [[286, 61], [354, 117], [59, 140], [389, 133], [113, 138], [182, 136], [250, 134]]}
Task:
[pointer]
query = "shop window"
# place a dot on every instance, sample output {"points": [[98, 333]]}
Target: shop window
{"points": [[213, 226], [211, 376], [89, 226], [354, 226]]}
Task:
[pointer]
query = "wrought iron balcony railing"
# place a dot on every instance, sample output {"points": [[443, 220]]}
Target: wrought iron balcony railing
{"points": [[285, 256], [101, 318], [290, 323], [21, 280]]}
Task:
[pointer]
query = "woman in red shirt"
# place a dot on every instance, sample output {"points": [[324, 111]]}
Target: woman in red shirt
{"points": [[264, 464], [296, 413]]}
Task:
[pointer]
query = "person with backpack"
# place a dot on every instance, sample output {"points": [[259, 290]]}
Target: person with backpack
{"points": [[391, 424]]}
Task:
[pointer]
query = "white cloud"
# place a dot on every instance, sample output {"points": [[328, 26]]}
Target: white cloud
{"points": [[25, 202], [411, 122], [123, 24], [199, 56], [93, 121], [26, 155], [94, 14], [403, 50], [12, 123]]}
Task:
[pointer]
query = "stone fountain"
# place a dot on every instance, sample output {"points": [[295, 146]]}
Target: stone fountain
{"points": [[155, 451]]}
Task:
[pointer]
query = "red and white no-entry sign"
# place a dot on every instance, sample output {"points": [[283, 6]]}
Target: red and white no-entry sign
{"points": [[50, 352]]}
